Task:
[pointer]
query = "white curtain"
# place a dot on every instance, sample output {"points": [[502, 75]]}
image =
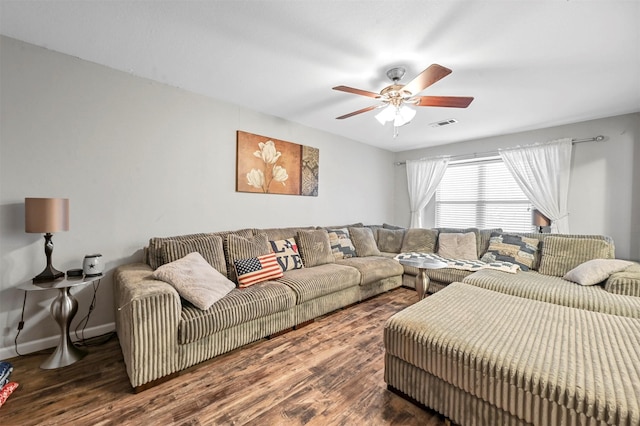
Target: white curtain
{"points": [[542, 171], [423, 177]]}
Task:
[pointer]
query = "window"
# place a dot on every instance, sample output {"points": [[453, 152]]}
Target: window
{"points": [[482, 194]]}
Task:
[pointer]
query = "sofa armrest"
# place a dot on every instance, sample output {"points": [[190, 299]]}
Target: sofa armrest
{"points": [[625, 282], [147, 316]]}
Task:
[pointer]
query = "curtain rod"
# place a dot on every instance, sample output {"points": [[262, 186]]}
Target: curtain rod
{"points": [[598, 138]]}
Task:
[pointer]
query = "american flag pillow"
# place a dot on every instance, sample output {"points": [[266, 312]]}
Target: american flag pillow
{"points": [[257, 269]]}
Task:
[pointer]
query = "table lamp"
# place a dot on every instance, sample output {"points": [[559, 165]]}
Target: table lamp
{"points": [[539, 220], [46, 215]]}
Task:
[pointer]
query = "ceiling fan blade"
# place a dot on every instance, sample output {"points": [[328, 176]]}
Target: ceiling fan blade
{"points": [[357, 91], [444, 101], [360, 111], [426, 78]]}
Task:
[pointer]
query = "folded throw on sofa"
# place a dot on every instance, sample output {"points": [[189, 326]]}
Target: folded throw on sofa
{"points": [[464, 264]]}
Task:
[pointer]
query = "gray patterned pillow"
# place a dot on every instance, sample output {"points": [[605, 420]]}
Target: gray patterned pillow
{"points": [[238, 248], [420, 240], [390, 240], [341, 245], [512, 248], [209, 246], [562, 254], [315, 248], [364, 242]]}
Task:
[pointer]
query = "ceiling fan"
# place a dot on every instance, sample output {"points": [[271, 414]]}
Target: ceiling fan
{"points": [[396, 98]]}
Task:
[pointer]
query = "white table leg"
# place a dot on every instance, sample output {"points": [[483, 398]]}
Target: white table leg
{"points": [[63, 309]]}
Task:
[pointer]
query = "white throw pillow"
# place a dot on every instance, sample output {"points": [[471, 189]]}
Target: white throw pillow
{"points": [[195, 280], [595, 271], [458, 246]]}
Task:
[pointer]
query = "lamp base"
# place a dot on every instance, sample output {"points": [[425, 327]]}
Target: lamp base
{"points": [[49, 274]]}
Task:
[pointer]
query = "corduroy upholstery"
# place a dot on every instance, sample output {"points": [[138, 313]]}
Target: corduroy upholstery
{"points": [[239, 306], [311, 283], [536, 286], [540, 362], [161, 334], [373, 268], [625, 282], [209, 246]]}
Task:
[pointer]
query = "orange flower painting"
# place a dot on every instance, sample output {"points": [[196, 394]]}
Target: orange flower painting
{"points": [[272, 166]]}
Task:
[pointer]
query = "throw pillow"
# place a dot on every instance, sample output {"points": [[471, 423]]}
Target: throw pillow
{"points": [[419, 240], [5, 371], [195, 280], [562, 254], [287, 254], [6, 391], [237, 247], [512, 248], [596, 270], [315, 248], [364, 242], [458, 246], [255, 270], [341, 245], [209, 246], [390, 240]]}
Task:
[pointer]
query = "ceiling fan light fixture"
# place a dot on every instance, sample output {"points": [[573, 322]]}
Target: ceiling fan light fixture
{"points": [[404, 115], [388, 113]]}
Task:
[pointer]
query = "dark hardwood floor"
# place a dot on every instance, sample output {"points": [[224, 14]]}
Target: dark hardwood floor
{"points": [[327, 373]]}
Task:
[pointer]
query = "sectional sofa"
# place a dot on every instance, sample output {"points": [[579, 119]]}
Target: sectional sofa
{"points": [[161, 333], [527, 348]]}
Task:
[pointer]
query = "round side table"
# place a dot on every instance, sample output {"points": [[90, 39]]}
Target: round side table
{"points": [[63, 309], [422, 279]]}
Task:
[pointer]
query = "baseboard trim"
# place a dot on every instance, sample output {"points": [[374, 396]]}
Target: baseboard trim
{"points": [[52, 341]]}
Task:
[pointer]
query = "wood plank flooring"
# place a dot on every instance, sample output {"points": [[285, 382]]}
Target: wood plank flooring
{"points": [[327, 373]]}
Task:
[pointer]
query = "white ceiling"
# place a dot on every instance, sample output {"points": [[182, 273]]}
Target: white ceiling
{"points": [[529, 64]]}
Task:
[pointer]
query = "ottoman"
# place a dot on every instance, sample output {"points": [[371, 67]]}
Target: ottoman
{"points": [[481, 357]]}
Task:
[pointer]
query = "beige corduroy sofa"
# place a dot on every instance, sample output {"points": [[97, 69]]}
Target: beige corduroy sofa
{"points": [[161, 334], [524, 348]]}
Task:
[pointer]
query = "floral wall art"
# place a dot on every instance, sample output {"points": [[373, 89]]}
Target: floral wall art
{"points": [[272, 166]]}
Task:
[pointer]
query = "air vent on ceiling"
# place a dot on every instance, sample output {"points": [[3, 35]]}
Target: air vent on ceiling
{"points": [[443, 122]]}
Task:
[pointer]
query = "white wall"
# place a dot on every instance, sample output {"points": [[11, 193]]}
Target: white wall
{"points": [[605, 177], [139, 159]]}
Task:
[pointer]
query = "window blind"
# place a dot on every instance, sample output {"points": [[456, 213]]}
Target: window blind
{"points": [[482, 194]]}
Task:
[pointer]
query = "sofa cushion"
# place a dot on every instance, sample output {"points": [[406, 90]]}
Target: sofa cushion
{"points": [[209, 246], [254, 270], [388, 226], [314, 247], [287, 253], [364, 242], [373, 268], [561, 254], [274, 234], [390, 240], [239, 306], [483, 238], [341, 245], [625, 282], [550, 289], [155, 253], [419, 240], [512, 248], [596, 271], [195, 280], [237, 247], [458, 246], [311, 283]]}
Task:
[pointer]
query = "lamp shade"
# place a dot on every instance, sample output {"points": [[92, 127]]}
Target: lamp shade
{"points": [[538, 219], [46, 215]]}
